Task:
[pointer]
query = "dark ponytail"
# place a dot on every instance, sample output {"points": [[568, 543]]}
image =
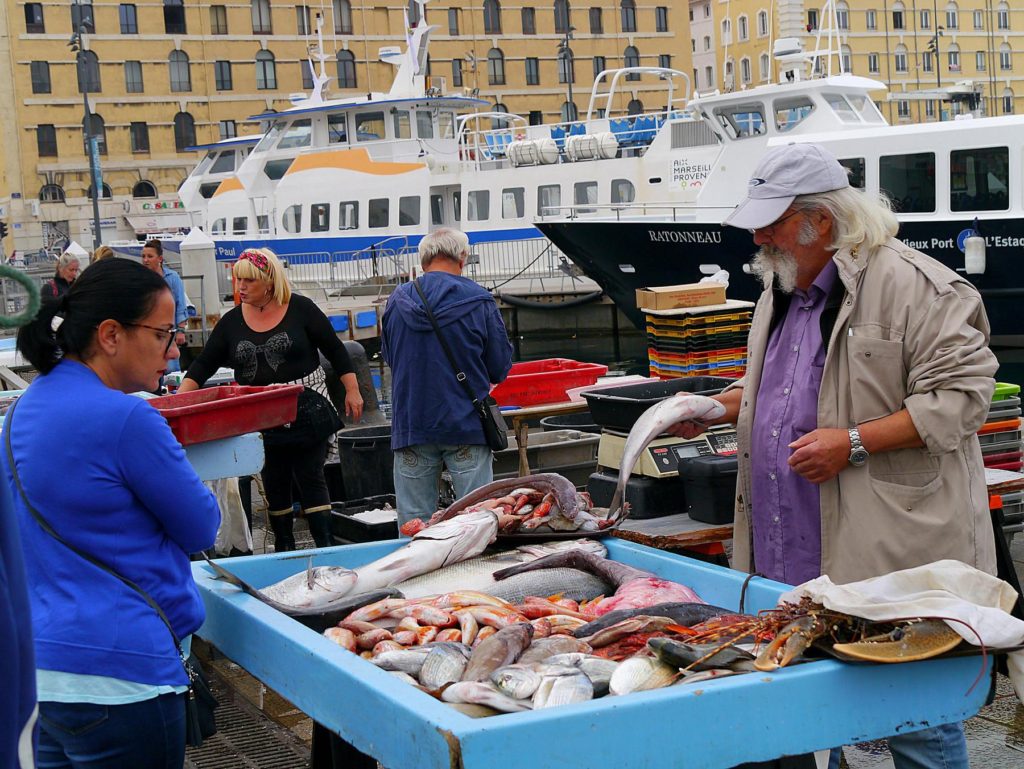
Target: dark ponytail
{"points": [[114, 289]]}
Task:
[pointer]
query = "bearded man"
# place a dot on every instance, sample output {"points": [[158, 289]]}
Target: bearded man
{"points": [[869, 375]]}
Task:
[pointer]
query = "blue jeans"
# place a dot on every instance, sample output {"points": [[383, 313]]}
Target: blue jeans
{"points": [[940, 747], [80, 735], [418, 470]]}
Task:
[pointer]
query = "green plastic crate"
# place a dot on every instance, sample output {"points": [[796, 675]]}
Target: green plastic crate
{"points": [[1004, 390]]}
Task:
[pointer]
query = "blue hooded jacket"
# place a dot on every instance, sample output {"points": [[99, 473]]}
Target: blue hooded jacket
{"points": [[429, 404]]}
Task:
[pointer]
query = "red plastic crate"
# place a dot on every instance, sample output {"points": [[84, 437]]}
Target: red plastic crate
{"points": [[223, 412], [545, 381]]}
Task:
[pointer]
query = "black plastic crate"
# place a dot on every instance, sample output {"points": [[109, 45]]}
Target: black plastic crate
{"points": [[647, 497], [345, 528], [710, 484], [618, 408]]}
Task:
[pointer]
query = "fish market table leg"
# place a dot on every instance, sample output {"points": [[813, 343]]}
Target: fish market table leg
{"points": [[522, 429]]}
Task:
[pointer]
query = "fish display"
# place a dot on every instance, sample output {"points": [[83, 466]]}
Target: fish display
{"points": [[655, 421], [687, 614]]}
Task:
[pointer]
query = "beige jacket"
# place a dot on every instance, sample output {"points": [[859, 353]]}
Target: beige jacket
{"points": [[909, 333]]}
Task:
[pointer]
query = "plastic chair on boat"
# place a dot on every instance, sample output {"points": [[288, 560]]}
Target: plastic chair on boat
{"points": [[558, 134]]}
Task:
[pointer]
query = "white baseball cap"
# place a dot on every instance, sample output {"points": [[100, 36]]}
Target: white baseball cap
{"points": [[783, 174]]}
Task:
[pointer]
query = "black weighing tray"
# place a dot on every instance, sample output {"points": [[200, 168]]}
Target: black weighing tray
{"points": [[618, 408], [345, 527]]}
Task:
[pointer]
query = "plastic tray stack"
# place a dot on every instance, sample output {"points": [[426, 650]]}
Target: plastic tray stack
{"points": [[1000, 436], [699, 341]]}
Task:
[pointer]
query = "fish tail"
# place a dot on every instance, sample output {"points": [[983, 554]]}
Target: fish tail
{"points": [[227, 576]]}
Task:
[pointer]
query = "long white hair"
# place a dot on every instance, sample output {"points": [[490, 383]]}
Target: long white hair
{"points": [[858, 218]]}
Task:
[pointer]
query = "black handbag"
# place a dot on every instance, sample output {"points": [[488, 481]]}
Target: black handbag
{"points": [[486, 408], [199, 700], [315, 420]]}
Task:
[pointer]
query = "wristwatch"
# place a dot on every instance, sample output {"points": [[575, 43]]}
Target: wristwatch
{"points": [[858, 454]]}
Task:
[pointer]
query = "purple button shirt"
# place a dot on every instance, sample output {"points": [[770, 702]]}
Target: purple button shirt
{"points": [[786, 513]]}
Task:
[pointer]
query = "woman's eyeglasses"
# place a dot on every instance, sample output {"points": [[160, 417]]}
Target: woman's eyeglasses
{"points": [[172, 333], [771, 227]]}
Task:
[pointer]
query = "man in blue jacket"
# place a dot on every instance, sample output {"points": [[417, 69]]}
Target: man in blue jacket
{"points": [[433, 421]]}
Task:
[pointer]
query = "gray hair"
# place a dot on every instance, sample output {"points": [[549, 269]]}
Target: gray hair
{"points": [[448, 243], [66, 259], [858, 218]]}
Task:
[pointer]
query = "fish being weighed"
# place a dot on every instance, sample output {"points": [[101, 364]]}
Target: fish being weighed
{"points": [[683, 407]]}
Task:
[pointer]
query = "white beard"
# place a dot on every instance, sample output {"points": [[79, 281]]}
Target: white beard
{"points": [[773, 264]]}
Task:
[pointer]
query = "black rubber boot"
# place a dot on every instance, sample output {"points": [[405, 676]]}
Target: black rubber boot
{"points": [[281, 525], [320, 527]]}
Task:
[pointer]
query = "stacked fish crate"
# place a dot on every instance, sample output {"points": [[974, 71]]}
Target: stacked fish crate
{"points": [[699, 341], [1000, 439]]}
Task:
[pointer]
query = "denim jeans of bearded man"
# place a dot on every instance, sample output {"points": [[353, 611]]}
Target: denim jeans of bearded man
{"points": [[940, 747], [418, 471]]}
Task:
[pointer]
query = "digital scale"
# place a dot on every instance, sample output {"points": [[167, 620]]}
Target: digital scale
{"points": [[661, 458]]}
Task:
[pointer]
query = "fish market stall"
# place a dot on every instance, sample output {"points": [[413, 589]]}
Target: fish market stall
{"points": [[716, 723]]}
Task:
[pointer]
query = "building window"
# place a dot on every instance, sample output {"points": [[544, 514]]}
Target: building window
{"points": [[726, 31], [174, 17], [954, 60], [529, 19], [871, 22], [812, 20], [929, 108], [415, 14], [533, 70], [346, 62], [302, 25], [903, 109], [901, 59], [762, 24], [979, 20], [743, 28], [184, 131], [979, 61], [764, 66], [343, 17], [873, 63], [926, 61], [40, 76], [600, 65], [897, 19], [709, 76], [1007, 101], [261, 22], [492, 17], [1005, 57], [846, 58], [707, 42], [661, 19], [596, 22], [665, 60], [306, 73], [536, 117], [46, 141], [568, 112], [34, 22], [266, 71], [133, 77], [129, 19], [227, 129], [144, 189], [566, 68], [952, 17], [1003, 16], [222, 75], [82, 17], [628, 10], [218, 20], [495, 67], [745, 69], [453, 22], [97, 129], [562, 14], [457, 73], [139, 135], [631, 58], [51, 193], [181, 74], [89, 73], [926, 19], [105, 193]]}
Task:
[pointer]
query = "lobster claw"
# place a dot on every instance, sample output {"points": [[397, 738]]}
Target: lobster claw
{"points": [[790, 642], [907, 643]]}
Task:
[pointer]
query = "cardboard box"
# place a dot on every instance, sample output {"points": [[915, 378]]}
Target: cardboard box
{"points": [[674, 297]]}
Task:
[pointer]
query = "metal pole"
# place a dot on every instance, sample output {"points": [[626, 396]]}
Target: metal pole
{"points": [[91, 148]]}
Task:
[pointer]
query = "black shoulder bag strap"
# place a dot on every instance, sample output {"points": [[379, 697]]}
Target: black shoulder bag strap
{"points": [[45, 526], [459, 373]]}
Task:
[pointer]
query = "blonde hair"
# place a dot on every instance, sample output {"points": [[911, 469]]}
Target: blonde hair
{"points": [[101, 253], [246, 270]]}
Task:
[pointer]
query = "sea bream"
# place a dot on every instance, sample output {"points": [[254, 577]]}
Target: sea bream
{"points": [[684, 407]]}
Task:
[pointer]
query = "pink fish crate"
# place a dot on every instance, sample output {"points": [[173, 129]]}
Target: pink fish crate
{"points": [[545, 381], [224, 412]]}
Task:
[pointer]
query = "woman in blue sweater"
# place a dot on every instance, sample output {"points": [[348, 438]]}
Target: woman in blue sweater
{"points": [[103, 469]]}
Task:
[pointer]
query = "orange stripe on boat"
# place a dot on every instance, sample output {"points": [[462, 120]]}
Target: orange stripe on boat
{"points": [[351, 160], [228, 185]]}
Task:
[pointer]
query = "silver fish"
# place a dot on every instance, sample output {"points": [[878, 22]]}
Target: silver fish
{"points": [[407, 660], [516, 681], [405, 677], [684, 407], [638, 674], [598, 669], [445, 664], [502, 648], [543, 648], [697, 657], [687, 614], [562, 689], [479, 693]]}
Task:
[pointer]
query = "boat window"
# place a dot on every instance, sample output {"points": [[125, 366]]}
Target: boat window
{"points": [[457, 206], [292, 219], [270, 137], [741, 120], [239, 225], [446, 125], [204, 163], [275, 169], [403, 128], [299, 134], [478, 204], [789, 113], [549, 199], [855, 166], [584, 192], [337, 129], [379, 213], [843, 109], [206, 190], [868, 110], [224, 163], [263, 224], [370, 126], [623, 191], [218, 227], [348, 215], [320, 217], [409, 211], [979, 179], [909, 180], [424, 124], [436, 209], [513, 203]]}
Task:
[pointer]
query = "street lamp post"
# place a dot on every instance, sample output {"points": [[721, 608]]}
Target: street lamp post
{"points": [[566, 59], [91, 141]]}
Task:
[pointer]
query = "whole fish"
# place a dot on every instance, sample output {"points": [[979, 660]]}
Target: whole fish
{"points": [[543, 648], [686, 614], [627, 627], [502, 648], [697, 657], [638, 674], [480, 693], [562, 688], [682, 407], [597, 669], [324, 588], [445, 664], [407, 660], [517, 681], [548, 483]]}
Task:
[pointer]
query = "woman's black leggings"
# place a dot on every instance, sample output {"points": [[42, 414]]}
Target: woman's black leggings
{"points": [[305, 466]]}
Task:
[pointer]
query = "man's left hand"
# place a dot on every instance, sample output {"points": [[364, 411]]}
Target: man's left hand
{"points": [[179, 338], [821, 454]]}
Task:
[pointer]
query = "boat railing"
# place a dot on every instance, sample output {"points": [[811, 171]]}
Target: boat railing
{"points": [[668, 211]]}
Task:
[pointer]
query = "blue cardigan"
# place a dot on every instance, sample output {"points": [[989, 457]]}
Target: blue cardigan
{"points": [[104, 469]]}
